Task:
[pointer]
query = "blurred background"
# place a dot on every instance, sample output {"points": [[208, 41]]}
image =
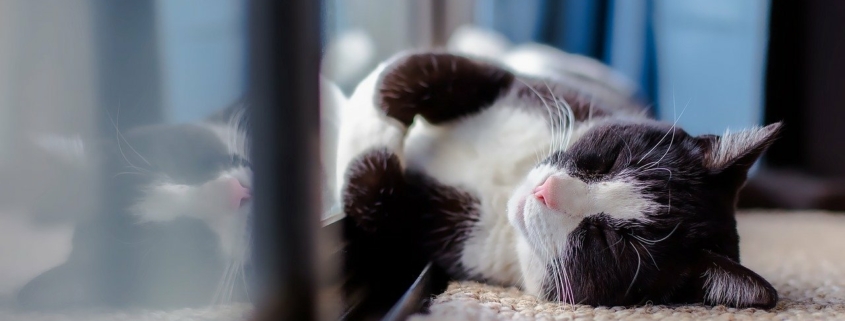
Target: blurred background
{"points": [[726, 64], [65, 66]]}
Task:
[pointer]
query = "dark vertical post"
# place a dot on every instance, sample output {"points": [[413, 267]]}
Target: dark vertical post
{"points": [[129, 95], [128, 64], [439, 35], [284, 66]]}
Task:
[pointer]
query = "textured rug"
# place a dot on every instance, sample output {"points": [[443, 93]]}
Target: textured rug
{"points": [[801, 253], [234, 312]]}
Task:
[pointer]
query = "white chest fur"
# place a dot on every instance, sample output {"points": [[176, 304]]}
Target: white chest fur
{"points": [[487, 155]]}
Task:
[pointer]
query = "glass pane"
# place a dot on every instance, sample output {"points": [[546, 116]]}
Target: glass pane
{"points": [[126, 174]]}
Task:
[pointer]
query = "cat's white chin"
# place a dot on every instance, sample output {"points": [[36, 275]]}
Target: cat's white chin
{"points": [[531, 266]]}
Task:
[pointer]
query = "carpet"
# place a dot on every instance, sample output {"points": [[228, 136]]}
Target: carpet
{"points": [[232, 312], [802, 254]]}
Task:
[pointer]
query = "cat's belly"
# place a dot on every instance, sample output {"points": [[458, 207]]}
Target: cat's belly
{"points": [[486, 155]]}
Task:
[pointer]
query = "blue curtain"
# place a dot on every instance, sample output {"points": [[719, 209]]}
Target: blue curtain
{"points": [[710, 53], [198, 85]]}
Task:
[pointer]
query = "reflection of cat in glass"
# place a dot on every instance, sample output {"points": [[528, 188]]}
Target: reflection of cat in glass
{"points": [[172, 219], [172, 228]]}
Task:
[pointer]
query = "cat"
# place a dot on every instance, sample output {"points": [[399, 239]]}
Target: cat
{"points": [[170, 229], [172, 226], [542, 183]]}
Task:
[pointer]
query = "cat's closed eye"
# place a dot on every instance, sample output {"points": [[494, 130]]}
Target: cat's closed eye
{"points": [[595, 164], [600, 163]]}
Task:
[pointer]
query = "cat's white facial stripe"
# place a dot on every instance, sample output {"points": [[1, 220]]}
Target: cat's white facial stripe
{"points": [[619, 199], [164, 201], [548, 228]]}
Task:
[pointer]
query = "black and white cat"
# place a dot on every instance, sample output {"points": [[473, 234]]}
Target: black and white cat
{"points": [[170, 224], [170, 228], [545, 184]]}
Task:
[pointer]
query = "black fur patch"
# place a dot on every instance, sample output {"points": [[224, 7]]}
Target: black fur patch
{"points": [[440, 87], [414, 208], [448, 216], [381, 256], [399, 221], [375, 188]]}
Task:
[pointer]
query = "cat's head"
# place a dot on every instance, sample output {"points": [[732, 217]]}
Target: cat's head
{"points": [[200, 171], [640, 211], [154, 175]]}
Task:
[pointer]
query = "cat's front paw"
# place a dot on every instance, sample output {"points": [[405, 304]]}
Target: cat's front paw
{"points": [[440, 87]]}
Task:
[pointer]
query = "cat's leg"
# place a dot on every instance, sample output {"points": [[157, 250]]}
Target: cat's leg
{"points": [[441, 87], [370, 162], [381, 256]]}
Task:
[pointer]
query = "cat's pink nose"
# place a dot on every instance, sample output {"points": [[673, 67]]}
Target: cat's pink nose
{"points": [[545, 192], [238, 194]]}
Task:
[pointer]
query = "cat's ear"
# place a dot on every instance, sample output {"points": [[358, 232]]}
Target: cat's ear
{"points": [[736, 152], [440, 87], [718, 280]]}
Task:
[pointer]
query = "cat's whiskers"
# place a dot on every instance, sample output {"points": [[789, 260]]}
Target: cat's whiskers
{"points": [[612, 245], [548, 111], [563, 124], [630, 155], [557, 289], [232, 282], [560, 282], [570, 296], [652, 242], [649, 254], [119, 137], [637, 273], [561, 251], [547, 259], [561, 133], [558, 119], [572, 251], [570, 122], [129, 173], [557, 137], [671, 129], [218, 292]]}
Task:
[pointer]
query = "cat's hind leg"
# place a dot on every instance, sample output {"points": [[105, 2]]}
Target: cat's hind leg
{"points": [[370, 163], [381, 253]]}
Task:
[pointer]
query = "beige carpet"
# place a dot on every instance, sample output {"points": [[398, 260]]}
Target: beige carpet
{"points": [[801, 253], [233, 312]]}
